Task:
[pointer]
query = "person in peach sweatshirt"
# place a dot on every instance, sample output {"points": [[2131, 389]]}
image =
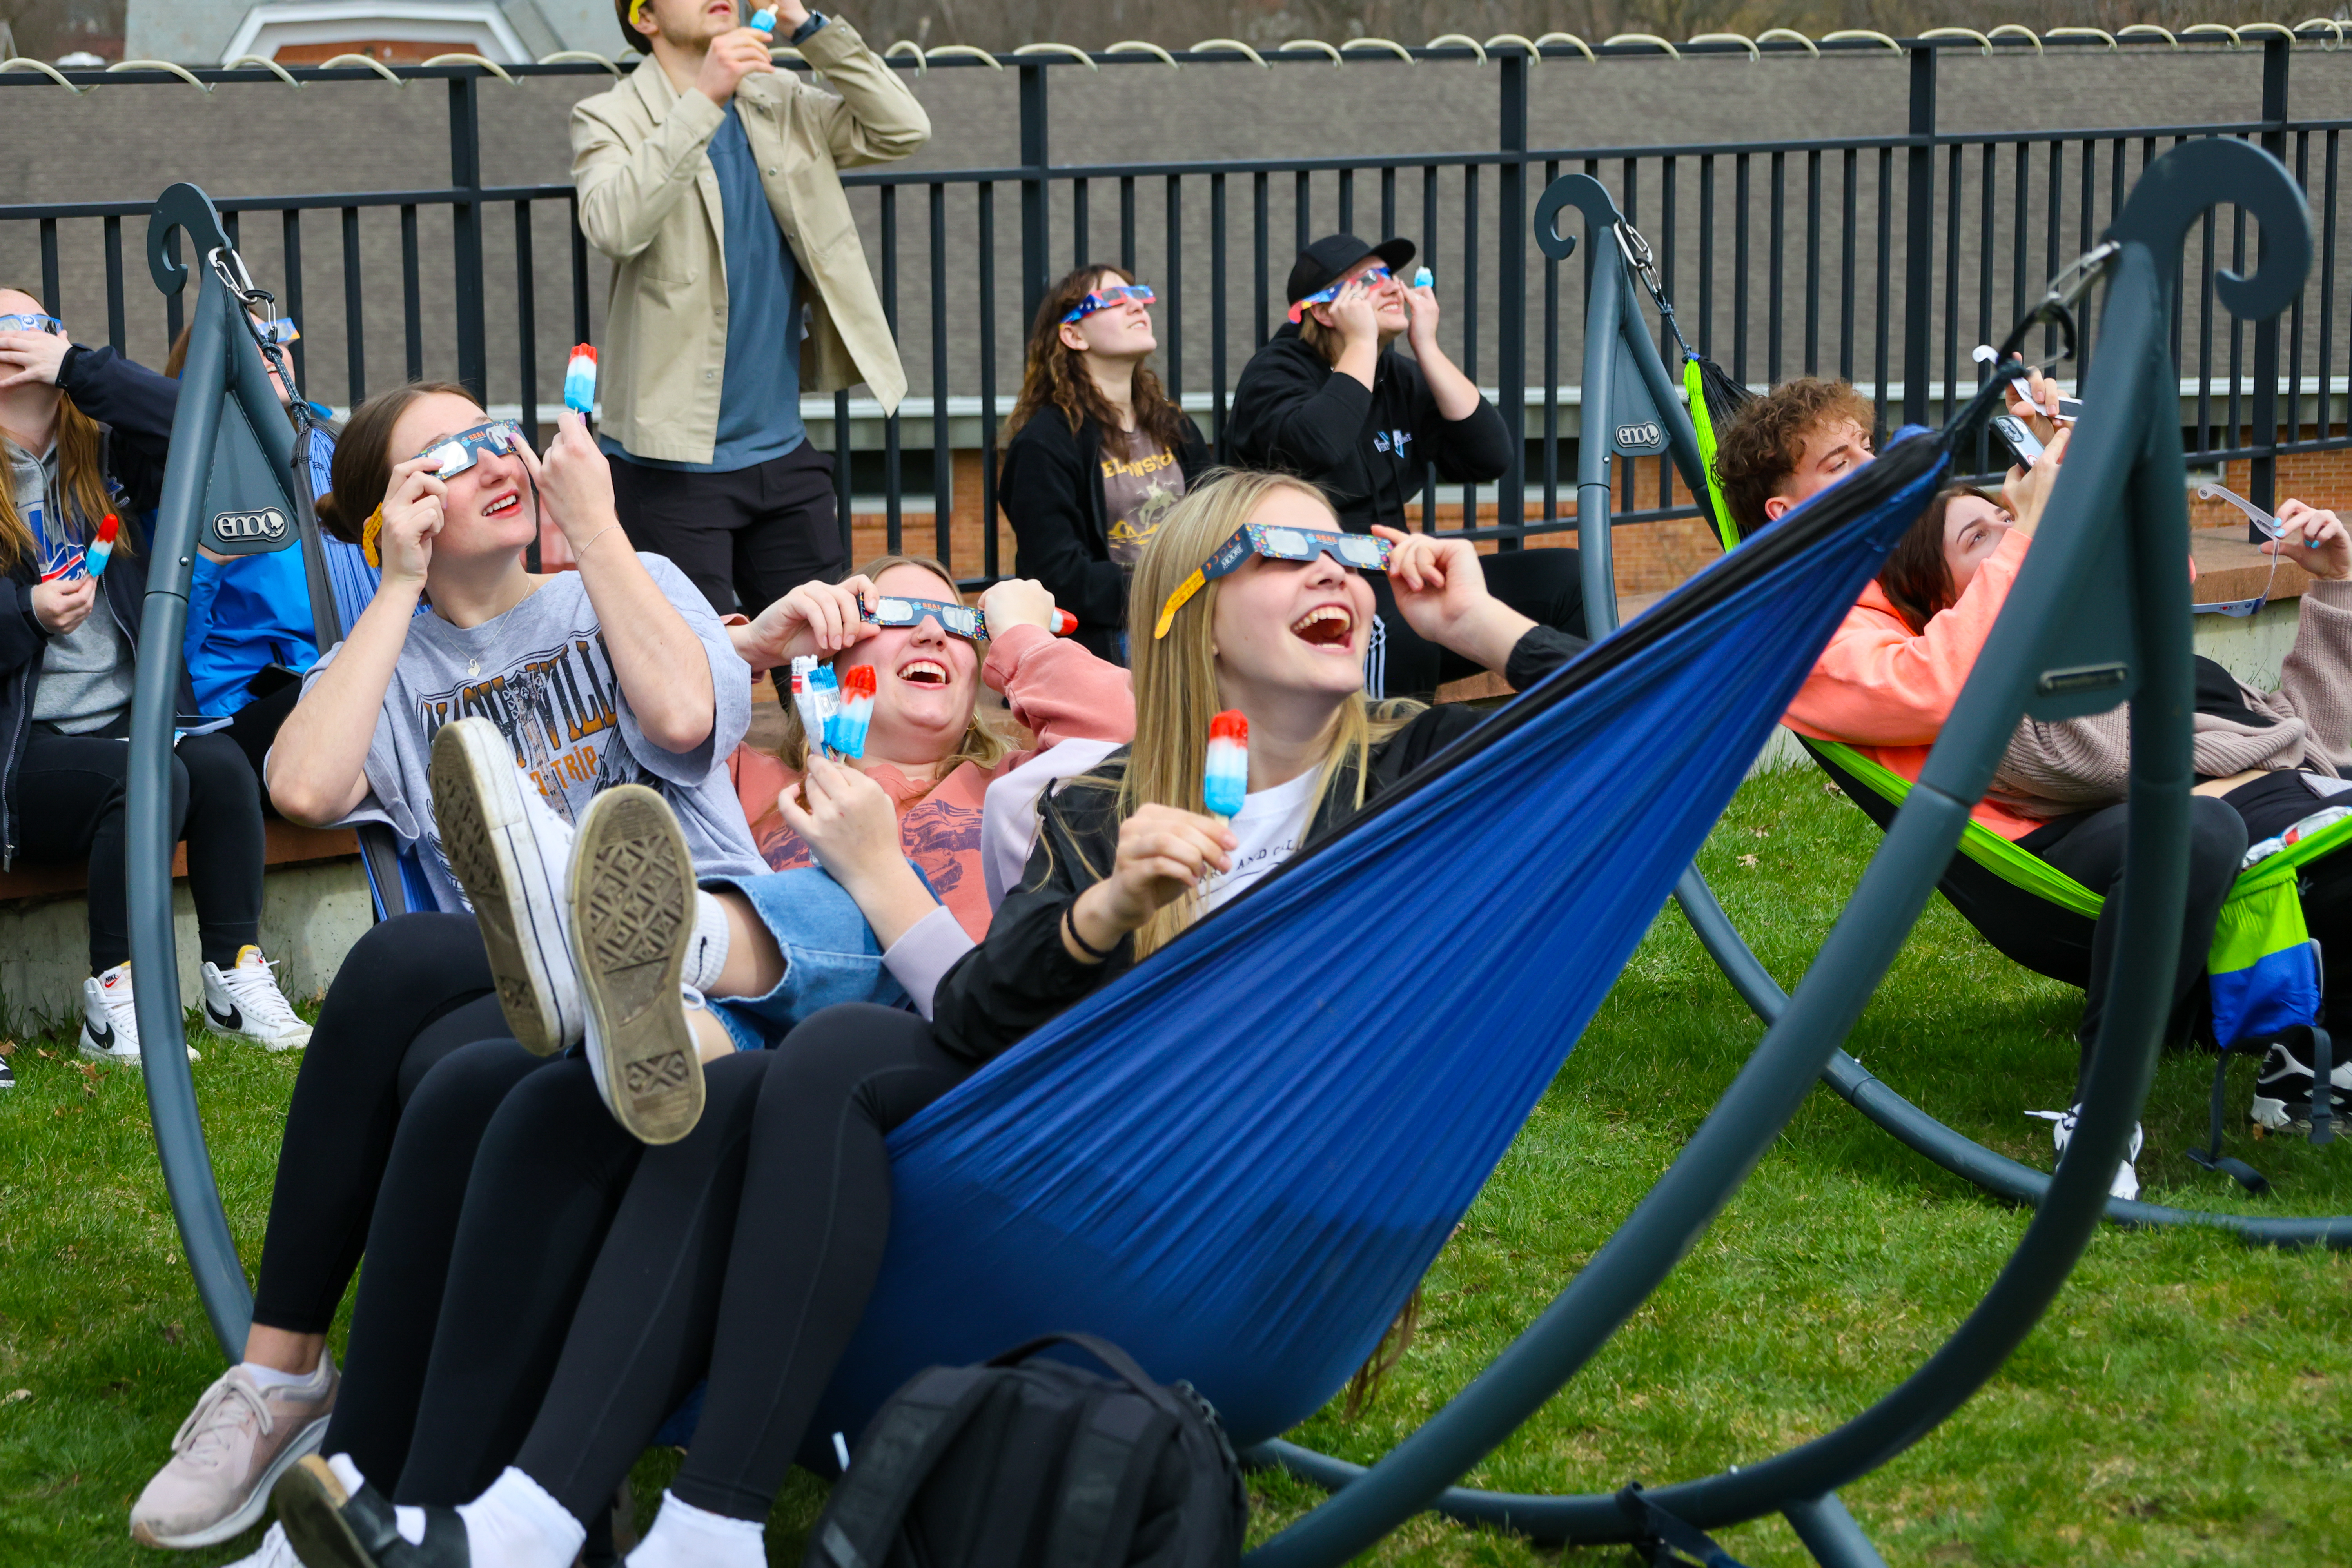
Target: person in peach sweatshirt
{"points": [[1888, 678]]}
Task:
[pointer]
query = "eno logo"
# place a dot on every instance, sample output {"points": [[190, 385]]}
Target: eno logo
{"points": [[1648, 434], [268, 523]]}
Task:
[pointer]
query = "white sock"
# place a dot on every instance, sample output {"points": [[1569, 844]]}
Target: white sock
{"points": [[685, 1536], [516, 1524], [706, 951], [311, 1382], [409, 1521]]}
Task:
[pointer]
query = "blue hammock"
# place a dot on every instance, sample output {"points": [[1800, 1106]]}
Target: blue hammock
{"points": [[1237, 1160]]}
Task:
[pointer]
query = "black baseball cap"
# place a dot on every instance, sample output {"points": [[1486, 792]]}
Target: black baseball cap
{"points": [[1333, 254]]}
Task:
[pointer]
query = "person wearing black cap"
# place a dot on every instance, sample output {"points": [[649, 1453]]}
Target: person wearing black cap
{"points": [[1330, 399]]}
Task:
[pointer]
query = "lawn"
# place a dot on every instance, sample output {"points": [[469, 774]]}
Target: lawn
{"points": [[2183, 1403]]}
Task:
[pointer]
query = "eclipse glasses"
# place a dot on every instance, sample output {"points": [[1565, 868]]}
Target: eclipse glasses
{"points": [[1359, 552], [463, 450], [1103, 299]]}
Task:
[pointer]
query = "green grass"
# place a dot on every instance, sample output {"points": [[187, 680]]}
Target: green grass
{"points": [[2185, 1402]]}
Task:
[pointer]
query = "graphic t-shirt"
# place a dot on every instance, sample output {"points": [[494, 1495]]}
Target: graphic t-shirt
{"points": [[1270, 824], [541, 672], [1140, 480]]}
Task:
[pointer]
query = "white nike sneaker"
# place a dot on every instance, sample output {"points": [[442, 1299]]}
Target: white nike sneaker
{"points": [[513, 856], [277, 1551], [2061, 1132], [246, 1001], [110, 1024]]}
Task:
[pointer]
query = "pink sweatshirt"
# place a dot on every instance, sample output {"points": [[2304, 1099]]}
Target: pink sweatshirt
{"points": [[1886, 690], [1058, 692]]}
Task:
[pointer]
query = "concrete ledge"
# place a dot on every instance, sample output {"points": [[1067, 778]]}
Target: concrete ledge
{"points": [[311, 916]]}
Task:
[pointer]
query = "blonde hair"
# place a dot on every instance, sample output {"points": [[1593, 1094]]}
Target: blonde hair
{"points": [[1175, 677], [983, 744]]}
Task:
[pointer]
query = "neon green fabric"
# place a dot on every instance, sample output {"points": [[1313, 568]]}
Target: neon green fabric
{"points": [[1702, 422], [2254, 892]]}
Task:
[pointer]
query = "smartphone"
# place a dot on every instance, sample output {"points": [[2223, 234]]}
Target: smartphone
{"points": [[2023, 445]]}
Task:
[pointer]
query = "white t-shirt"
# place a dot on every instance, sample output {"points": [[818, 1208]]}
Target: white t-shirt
{"points": [[1270, 824]]}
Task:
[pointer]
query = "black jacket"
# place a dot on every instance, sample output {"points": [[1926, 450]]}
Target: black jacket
{"points": [[1367, 449], [1022, 976], [133, 405], [1052, 494]]}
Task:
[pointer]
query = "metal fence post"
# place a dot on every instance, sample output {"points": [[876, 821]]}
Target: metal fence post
{"points": [[1034, 230], [2264, 437], [1511, 283], [1919, 239], [466, 232]]}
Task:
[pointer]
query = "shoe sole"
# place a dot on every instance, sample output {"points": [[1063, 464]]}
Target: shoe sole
{"points": [[310, 1501], [632, 916], [301, 1446], [478, 807]]}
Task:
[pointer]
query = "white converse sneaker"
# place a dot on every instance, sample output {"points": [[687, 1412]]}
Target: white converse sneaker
{"points": [[512, 854], [2062, 1130], [110, 1024], [246, 1001], [632, 903]]}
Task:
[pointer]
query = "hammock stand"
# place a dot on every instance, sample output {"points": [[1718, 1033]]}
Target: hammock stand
{"points": [[2121, 518], [2081, 665], [1923, 1133]]}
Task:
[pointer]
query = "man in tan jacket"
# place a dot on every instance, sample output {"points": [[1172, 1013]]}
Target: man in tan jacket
{"points": [[710, 180]]}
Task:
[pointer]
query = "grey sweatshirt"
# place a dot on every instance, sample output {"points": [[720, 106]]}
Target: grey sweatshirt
{"points": [[86, 673]]}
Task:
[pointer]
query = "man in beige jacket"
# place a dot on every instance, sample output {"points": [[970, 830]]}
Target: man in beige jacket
{"points": [[710, 180]]}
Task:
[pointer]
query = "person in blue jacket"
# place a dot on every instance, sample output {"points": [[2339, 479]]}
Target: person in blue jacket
{"points": [[250, 631]]}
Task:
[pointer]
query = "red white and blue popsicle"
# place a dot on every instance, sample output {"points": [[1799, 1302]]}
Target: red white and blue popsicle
{"points": [[580, 381], [846, 731], [764, 20], [94, 559], [1225, 780]]}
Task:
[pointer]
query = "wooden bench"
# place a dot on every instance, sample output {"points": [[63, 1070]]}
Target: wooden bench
{"points": [[283, 844]]}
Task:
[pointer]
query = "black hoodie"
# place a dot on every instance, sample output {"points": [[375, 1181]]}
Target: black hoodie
{"points": [[1051, 493], [1367, 449]]}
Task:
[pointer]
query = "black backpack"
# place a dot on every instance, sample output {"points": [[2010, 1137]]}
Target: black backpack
{"points": [[1019, 1461]]}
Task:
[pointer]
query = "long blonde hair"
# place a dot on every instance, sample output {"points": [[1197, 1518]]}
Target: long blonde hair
{"points": [[984, 744], [1176, 676]]}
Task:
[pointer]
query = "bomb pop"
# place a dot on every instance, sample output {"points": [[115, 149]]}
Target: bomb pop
{"points": [[806, 701], [94, 558], [1425, 279], [580, 381], [846, 731], [1225, 780], [764, 20]]}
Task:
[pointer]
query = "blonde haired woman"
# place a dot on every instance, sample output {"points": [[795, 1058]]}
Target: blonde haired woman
{"points": [[749, 1249]]}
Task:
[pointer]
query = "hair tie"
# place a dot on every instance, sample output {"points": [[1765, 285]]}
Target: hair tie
{"points": [[370, 532]]}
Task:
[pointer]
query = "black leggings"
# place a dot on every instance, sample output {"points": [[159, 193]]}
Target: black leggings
{"points": [[69, 807], [412, 990], [761, 1296], [409, 1242], [1541, 585], [2089, 848]]}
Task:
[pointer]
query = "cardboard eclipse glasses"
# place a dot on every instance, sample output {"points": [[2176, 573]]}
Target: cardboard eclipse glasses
{"points": [[1358, 552], [464, 449], [1103, 299]]}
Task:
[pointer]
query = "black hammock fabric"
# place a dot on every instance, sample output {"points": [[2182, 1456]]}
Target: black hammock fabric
{"points": [[1237, 1160]]}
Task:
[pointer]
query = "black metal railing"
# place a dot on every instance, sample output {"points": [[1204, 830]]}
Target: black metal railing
{"points": [[1882, 260]]}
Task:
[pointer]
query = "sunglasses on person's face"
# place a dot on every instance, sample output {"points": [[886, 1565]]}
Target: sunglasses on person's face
{"points": [[1371, 277], [1358, 552], [457, 453], [1103, 299], [959, 620], [31, 323]]}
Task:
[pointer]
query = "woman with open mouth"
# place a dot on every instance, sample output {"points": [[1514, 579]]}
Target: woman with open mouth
{"points": [[749, 1257], [877, 888]]}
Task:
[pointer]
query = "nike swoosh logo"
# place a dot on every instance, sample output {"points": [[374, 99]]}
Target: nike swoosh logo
{"points": [[231, 1019]]}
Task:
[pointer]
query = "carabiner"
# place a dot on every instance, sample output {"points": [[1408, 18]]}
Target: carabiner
{"points": [[2076, 279]]}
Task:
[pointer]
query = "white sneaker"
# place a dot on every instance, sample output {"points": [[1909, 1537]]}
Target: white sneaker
{"points": [[110, 1024], [276, 1552], [246, 1001], [2062, 1130], [512, 854]]}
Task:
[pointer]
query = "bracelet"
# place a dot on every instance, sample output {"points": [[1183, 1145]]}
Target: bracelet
{"points": [[1070, 925], [582, 554]]}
